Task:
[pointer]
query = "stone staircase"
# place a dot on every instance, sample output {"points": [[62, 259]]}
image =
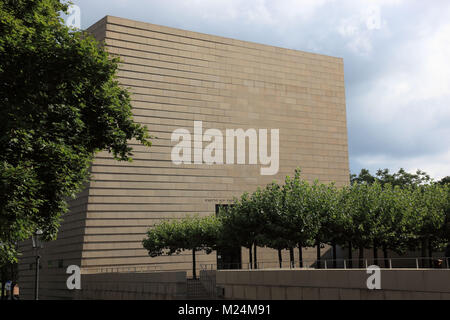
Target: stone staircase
{"points": [[196, 290]]}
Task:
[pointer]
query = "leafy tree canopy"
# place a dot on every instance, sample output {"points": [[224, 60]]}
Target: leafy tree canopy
{"points": [[445, 180], [299, 214], [243, 222], [190, 233], [384, 176], [60, 103]]}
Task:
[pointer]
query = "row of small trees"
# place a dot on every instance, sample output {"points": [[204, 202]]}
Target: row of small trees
{"points": [[299, 214]]}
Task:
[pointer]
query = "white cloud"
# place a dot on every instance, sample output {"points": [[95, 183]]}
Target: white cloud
{"points": [[414, 83], [294, 10], [406, 107], [396, 55], [436, 165], [276, 13], [372, 16], [359, 27]]}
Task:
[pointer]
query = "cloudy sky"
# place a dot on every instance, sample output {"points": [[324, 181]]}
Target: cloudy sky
{"points": [[396, 55]]}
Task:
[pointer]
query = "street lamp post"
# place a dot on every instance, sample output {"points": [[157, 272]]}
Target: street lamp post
{"points": [[37, 244]]}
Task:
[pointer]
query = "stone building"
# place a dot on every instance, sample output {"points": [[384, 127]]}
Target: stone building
{"points": [[181, 80]]}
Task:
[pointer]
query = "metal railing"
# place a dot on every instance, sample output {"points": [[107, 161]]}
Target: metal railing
{"points": [[124, 269], [325, 263]]}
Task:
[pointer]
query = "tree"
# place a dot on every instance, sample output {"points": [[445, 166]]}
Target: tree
{"points": [[429, 205], [397, 220], [446, 226], [190, 233], [333, 221], [445, 180], [302, 225], [343, 220], [363, 177], [362, 203], [383, 176], [411, 209], [321, 204], [276, 233], [61, 103], [243, 223], [403, 178]]}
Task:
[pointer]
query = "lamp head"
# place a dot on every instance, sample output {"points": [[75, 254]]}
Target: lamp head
{"points": [[36, 238]]}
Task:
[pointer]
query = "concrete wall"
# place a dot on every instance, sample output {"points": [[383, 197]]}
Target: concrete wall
{"points": [[110, 286], [334, 284], [132, 286]]}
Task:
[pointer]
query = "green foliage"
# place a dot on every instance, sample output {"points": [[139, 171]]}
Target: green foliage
{"points": [[243, 222], [276, 221], [323, 203], [397, 221], [403, 178], [302, 221], [190, 233], [445, 180], [446, 228], [362, 207], [400, 178], [429, 209], [61, 103], [363, 177], [299, 213]]}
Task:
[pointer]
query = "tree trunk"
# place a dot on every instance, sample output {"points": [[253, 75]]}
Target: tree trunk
{"points": [[13, 284], [250, 260], [430, 253], [13, 280], [361, 257], [386, 258], [255, 263], [318, 256], [280, 259], [300, 255], [423, 252], [375, 253], [194, 271], [350, 255], [334, 255], [291, 256]]}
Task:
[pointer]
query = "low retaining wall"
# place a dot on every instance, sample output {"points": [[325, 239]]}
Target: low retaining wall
{"points": [[132, 286], [300, 284], [115, 286]]}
